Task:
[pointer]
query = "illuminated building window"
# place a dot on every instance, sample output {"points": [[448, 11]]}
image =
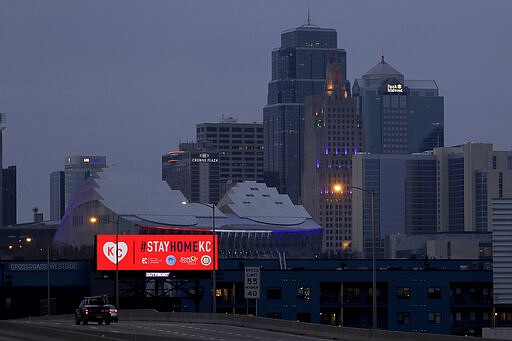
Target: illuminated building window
{"points": [[403, 292], [304, 293]]}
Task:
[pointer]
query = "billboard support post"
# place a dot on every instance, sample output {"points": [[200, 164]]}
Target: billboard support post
{"points": [[48, 277], [117, 263], [214, 273]]}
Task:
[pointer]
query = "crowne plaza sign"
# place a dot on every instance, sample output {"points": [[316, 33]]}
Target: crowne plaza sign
{"points": [[205, 158], [155, 252]]}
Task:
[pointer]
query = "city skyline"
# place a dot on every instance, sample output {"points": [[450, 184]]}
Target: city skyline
{"points": [[130, 80]]}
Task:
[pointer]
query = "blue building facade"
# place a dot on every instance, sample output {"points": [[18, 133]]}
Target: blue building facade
{"points": [[435, 296], [445, 297]]}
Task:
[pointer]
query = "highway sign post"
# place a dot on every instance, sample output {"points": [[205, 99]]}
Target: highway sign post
{"points": [[252, 284]]}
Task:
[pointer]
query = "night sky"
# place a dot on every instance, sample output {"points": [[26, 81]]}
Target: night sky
{"points": [[131, 79]]}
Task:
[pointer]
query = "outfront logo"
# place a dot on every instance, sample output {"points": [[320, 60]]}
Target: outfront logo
{"points": [[109, 250]]}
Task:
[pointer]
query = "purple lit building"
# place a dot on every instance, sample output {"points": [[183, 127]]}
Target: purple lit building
{"points": [[332, 135]]}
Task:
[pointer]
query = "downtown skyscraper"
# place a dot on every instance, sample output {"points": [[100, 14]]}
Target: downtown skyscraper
{"points": [[298, 71], [447, 190], [225, 153], [400, 116], [65, 184], [332, 136]]}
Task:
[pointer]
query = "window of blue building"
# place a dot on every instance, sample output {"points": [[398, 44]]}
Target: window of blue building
{"points": [[403, 292], [434, 293], [304, 293], [403, 317], [434, 318], [274, 293]]}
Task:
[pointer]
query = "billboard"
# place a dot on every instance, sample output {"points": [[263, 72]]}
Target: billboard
{"points": [[155, 252]]}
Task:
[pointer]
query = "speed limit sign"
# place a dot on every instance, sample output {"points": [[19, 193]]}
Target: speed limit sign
{"points": [[252, 282]]}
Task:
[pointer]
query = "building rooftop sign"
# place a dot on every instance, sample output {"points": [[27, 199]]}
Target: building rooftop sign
{"points": [[395, 88], [205, 157]]}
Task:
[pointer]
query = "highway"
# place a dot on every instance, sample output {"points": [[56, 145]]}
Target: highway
{"points": [[150, 325], [43, 329]]}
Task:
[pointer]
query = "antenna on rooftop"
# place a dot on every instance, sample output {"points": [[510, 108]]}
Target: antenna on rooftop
{"points": [[309, 18]]}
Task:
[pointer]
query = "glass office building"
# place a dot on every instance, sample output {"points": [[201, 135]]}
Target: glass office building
{"points": [[240, 150], [446, 190], [400, 116], [298, 70], [65, 184]]}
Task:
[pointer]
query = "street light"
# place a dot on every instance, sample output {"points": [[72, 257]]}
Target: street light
{"points": [[214, 246], [48, 277], [214, 272], [29, 240], [117, 263], [94, 220], [338, 189]]}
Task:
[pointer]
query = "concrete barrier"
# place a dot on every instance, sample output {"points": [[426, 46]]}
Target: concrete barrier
{"points": [[19, 328], [502, 333], [298, 328]]}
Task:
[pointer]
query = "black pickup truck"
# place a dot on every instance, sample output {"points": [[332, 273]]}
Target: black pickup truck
{"points": [[93, 308]]}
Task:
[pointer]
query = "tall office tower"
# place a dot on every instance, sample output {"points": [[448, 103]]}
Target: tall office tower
{"points": [[194, 170], [65, 184], [298, 70], [447, 190], [332, 135], [240, 150], [405, 198], [9, 196], [471, 176], [399, 116]]}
